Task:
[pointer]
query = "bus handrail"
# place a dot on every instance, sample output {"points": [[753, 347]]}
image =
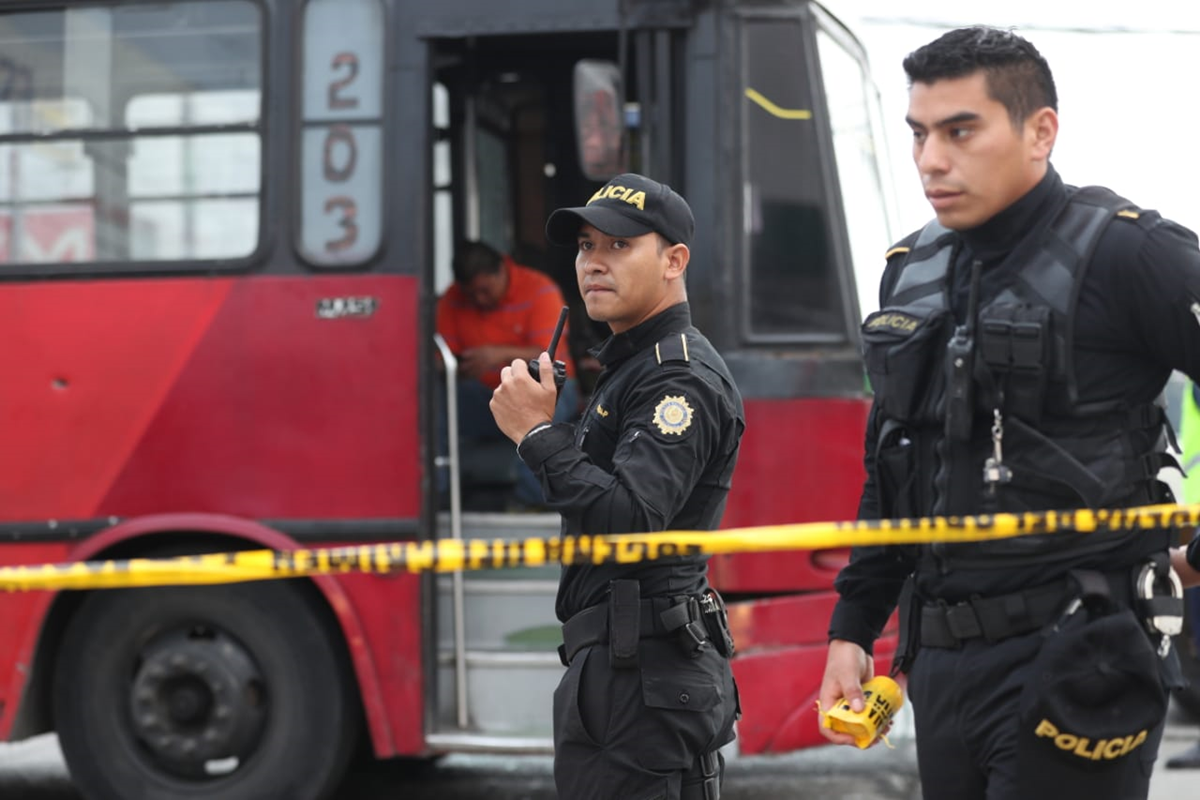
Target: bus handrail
{"points": [[451, 462]]}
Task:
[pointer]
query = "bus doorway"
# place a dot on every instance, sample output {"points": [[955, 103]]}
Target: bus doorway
{"points": [[505, 154], [508, 148]]}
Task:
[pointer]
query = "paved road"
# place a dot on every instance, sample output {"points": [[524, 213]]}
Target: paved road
{"points": [[34, 770], [1175, 784]]}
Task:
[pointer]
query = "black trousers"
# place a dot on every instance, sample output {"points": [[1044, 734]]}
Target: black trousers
{"points": [[638, 734], [966, 704]]}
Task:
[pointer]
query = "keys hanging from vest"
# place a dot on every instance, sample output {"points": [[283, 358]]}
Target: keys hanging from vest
{"points": [[995, 472]]}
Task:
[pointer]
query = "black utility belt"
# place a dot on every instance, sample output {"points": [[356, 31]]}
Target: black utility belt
{"points": [[695, 621], [949, 625], [1151, 589]]}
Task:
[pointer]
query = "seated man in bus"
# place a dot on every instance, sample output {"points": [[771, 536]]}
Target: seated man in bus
{"points": [[497, 310]]}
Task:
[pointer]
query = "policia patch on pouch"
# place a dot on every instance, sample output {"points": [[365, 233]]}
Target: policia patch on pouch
{"points": [[1084, 747], [1094, 699], [896, 321]]}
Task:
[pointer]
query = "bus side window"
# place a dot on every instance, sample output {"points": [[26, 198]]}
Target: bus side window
{"points": [[793, 288], [132, 133], [342, 132]]}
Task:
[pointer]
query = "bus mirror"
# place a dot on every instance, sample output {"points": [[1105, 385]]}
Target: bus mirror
{"points": [[599, 108]]}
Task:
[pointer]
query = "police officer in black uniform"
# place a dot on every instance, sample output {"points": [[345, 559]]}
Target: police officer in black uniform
{"points": [[648, 696], [1022, 340]]}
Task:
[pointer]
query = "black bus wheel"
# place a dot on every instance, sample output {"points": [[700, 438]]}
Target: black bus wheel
{"points": [[232, 692]]}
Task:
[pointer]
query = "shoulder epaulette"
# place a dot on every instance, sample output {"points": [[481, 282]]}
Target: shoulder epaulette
{"points": [[1105, 198], [905, 245], [672, 348]]}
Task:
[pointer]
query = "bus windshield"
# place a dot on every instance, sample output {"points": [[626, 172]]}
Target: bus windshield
{"points": [[854, 117]]}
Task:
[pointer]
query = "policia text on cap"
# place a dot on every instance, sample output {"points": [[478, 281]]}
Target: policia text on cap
{"points": [[1022, 340]]}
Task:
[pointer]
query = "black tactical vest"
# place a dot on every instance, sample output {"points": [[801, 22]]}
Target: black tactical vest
{"points": [[944, 393]]}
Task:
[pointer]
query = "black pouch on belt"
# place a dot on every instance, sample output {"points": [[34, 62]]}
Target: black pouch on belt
{"points": [[716, 622], [624, 623], [909, 639], [1094, 696]]}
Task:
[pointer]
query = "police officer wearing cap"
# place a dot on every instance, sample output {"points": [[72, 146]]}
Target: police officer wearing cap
{"points": [[648, 696], [1022, 340]]}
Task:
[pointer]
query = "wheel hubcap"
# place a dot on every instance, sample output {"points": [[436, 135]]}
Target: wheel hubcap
{"points": [[197, 698]]}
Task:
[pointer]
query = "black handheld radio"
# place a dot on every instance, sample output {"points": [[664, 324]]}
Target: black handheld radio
{"points": [[960, 366], [560, 367]]}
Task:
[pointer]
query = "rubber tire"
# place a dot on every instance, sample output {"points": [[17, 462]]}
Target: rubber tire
{"points": [[312, 719], [1188, 644]]}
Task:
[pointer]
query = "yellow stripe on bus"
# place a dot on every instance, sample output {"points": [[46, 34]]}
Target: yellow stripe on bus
{"points": [[777, 111], [449, 555]]}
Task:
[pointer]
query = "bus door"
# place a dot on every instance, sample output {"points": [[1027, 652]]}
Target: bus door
{"points": [[522, 124]]}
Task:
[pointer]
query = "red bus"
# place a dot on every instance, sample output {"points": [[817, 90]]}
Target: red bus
{"points": [[223, 228]]}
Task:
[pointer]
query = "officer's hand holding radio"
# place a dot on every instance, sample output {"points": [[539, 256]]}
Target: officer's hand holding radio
{"points": [[521, 405], [560, 367]]}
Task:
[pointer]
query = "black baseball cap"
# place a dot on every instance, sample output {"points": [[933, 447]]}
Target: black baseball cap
{"points": [[628, 205], [1094, 698]]}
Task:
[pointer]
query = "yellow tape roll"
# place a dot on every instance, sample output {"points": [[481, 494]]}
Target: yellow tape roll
{"points": [[883, 699]]}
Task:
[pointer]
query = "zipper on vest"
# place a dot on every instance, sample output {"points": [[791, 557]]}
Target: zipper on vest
{"points": [[960, 367], [959, 408]]}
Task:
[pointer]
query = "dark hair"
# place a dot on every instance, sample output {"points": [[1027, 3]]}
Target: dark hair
{"points": [[474, 258], [1017, 74]]}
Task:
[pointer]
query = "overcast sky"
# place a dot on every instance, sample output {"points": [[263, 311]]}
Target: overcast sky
{"points": [[1128, 78]]}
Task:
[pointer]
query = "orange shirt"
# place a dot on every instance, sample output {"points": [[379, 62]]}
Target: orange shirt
{"points": [[525, 316]]}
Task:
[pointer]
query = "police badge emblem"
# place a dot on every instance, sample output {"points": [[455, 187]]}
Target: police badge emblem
{"points": [[673, 414]]}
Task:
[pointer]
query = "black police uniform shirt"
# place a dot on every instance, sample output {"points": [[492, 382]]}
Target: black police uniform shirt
{"points": [[655, 450], [1133, 326]]}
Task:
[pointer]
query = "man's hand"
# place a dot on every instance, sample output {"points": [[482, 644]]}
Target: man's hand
{"points": [[847, 667], [475, 362], [1189, 576], [520, 403]]}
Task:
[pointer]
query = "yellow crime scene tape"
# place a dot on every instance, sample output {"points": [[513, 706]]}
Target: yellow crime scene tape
{"points": [[450, 555]]}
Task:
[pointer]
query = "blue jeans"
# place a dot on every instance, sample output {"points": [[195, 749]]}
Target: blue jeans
{"points": [[486, 455]]}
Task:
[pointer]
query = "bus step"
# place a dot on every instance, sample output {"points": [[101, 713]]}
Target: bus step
{"points": [[508, 693], [501, 615], [454, 741], [486, 525]]}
